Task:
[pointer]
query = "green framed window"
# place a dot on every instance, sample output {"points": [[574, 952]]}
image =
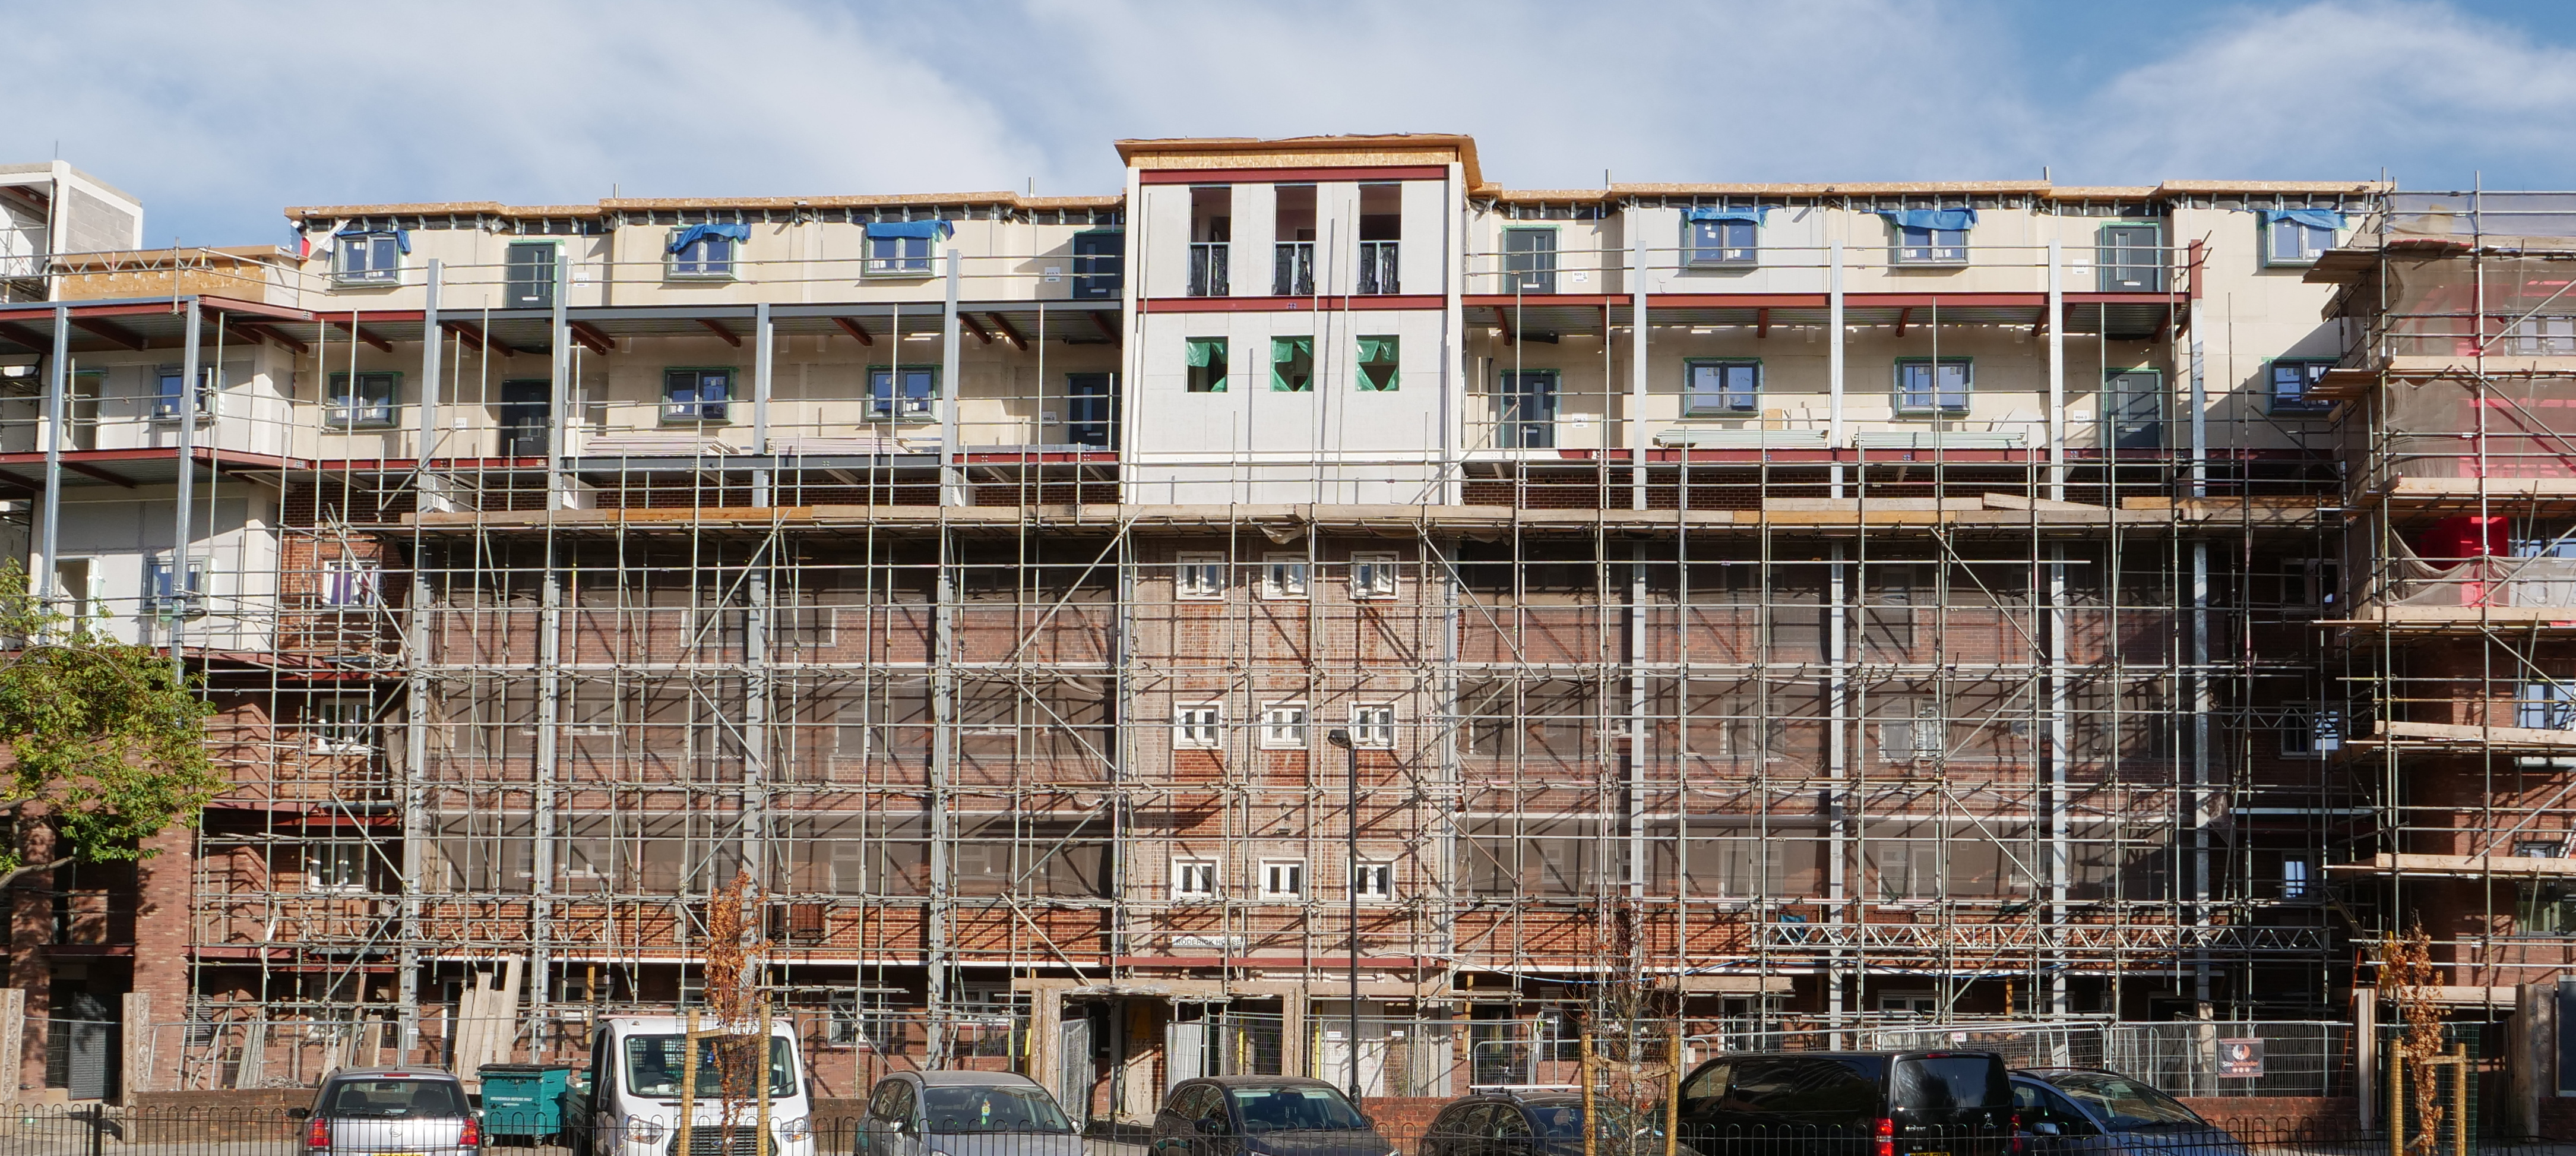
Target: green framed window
{"points": [[363, 400], [1716, 387], [1207, 364], [903, 392], [1923, 387], [1378, 358], [1292, 364], [696, 394]]}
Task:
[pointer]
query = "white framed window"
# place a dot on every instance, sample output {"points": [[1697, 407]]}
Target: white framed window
{"points": [[1198, 577], [1910, 731], [1193, 879], [1373, 725], [899, 256], [1283, 575], [2311, 730], [1908, 1005], [369, 256], [1199, 726], [1373, 574], [1374, 882], [343, 725], [335, 865], [351, 582], [1283, 879], [1283, 725], [2297, 873]]}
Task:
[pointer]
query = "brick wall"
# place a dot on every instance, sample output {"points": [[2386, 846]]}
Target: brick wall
{"points": [[2262, 1113]]}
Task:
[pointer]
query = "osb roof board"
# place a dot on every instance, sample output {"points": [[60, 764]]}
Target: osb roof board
{"points": [[1354, 151]]}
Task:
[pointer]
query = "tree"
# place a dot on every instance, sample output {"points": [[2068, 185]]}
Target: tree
{"points": [[105, 740]]}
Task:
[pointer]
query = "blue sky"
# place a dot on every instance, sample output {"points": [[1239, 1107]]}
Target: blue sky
{"points": [[220, 114]]}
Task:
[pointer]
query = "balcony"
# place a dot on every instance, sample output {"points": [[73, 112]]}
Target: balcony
{"points": [[1293, 269], [1377, 268], [1208, 276]]}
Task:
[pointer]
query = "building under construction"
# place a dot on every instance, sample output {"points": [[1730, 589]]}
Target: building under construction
{"points": [[1109, 647]]}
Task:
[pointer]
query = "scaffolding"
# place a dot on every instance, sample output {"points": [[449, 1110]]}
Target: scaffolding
{"points": [[536, 617]]}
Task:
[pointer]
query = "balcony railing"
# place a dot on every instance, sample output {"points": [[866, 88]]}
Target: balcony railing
{"points": [[1293, 270], [1208, 269], [1377, 267]]}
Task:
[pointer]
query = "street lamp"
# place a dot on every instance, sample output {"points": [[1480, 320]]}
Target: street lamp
{"points": [[1351, 880]]}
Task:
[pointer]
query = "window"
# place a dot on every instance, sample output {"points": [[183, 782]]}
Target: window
{"points": [[1193, 879], [2294, 385], [1908, 1005], [1283, 878], [696, 394], [1207, 364], [351, 582], [336, 865], [2547, 706], [1373, 725], [1198, 577], [2311, 731], [1718, 237], [903, 393], [166, 393], [1283, 725], [1722, 387], [1909, 731], [1374, 882], [343, 725], [1199, 726], [705, 251], [1283, 575], [365, 399], [1373, 574], [2542, 337], [1529, 260], [1292, 364], [370, 256], [1378, 356], [161, 596], [1922, 387], [899, 256], [1931, 245], [2298, 236], [2295, 871]]}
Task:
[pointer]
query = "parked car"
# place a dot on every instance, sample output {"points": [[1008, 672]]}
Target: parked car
{"points": [[637, 1064], [963, 1114], [416, 1111], [1506, 1123], [2089, 1110], [1862, 1103], [1263, 1116]]}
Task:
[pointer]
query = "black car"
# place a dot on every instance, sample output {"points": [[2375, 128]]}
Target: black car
{"points": [[2093, 1111], [1263, 1116], [1860, 1103], [1505, 1123]]}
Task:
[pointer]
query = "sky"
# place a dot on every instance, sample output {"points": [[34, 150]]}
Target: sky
{"points": [[220, 114]]}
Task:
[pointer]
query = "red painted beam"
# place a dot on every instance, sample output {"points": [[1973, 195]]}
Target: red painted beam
{"points": [[1762, 321], [1003, 324], [1904, 317], [95, 472], [974, 327], [1324, 302], [25, 336], [21, 481], [1503, 318], [854, 329], [482, 340], [360, 332], [116, 333], [718, 328], [274, 334], [1108, 328], [590, 337], [242, 333]]}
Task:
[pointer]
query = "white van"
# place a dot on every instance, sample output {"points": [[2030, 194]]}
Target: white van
{"points": [[636, 1064]]}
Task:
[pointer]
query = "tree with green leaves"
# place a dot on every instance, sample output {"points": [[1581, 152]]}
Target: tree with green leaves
{"points": [[105, 740]]}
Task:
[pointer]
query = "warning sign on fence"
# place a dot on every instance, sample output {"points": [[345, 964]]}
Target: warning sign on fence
{"points": [[2240, 1059]]}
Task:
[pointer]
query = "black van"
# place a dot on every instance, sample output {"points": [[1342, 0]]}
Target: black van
{"points": [[1850, 1104]]}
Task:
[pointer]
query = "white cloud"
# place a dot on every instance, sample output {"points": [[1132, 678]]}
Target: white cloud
{"points": [[219, 114]]}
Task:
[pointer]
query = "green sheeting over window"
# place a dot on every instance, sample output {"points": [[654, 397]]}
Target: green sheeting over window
{"points": [[1292, 364], [1206, 356], [1378, 358]]}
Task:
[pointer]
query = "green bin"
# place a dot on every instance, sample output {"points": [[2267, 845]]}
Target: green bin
{"points": [[524, 1099]]}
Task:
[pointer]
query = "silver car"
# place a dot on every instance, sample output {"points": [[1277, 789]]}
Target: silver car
{"points": [[964, 1114], [417, 1111]]}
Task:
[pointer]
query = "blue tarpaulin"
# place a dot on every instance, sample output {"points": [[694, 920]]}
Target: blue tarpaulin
{"points": [[1940, 220], [2312, 218], [402, 237], [929, 230], [1753, 215], [684, 238]]}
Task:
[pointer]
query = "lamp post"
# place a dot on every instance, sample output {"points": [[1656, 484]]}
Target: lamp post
{"points": [[1351, 882]]}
